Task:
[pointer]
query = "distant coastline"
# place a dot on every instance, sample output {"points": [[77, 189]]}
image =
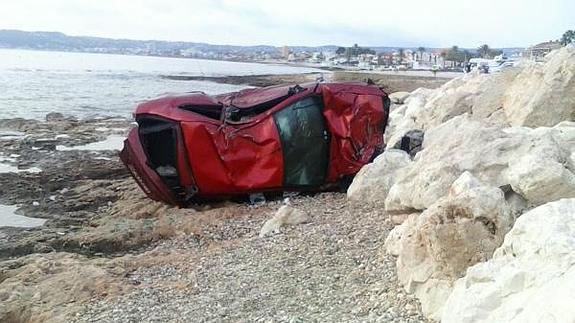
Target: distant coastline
{"points": [[265, 54]]}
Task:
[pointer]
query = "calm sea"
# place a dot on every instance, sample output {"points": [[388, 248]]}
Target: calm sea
{"points": [[34, 83]]}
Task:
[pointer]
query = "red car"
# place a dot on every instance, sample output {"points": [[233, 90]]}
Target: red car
{"points": [[306, 137]]}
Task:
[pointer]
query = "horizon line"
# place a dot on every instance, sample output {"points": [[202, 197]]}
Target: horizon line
{"points": [[258, 45]]}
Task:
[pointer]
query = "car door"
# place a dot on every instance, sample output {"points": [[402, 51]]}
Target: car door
{"points": [[305, 142]]}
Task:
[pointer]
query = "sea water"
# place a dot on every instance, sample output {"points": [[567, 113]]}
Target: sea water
{"points": [[34, 83], [8, 218]]}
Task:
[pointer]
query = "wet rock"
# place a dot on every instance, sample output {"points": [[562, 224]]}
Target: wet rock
{"points": [[286, 215], [55, 116], [459, 230], [371, 184], [18, 124], [531, 276]]}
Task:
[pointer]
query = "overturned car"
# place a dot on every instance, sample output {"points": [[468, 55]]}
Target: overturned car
{"points": [[305, 137]]}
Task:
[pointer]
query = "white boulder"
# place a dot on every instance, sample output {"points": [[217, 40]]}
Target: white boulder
{"points": [[482, 126], [531, 277], [535, 162], [452, 99], [479, 95], [533, 95], [371, 184], [393, 242], [459, 145], [402, 119], [543, 95], [541, 179], [458, 230]]}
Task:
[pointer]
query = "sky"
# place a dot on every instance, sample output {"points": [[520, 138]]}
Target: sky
{"points": [[428, 23]]}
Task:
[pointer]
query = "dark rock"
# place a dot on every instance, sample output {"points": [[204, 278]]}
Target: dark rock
{"points": [[55, 116]]}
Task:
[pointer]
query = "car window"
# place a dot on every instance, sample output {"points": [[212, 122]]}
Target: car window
{"points": [[305, 142], [210, 111]]}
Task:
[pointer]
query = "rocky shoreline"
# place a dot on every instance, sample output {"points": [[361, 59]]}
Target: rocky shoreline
{"points": [[390, 82], [105, 243], [474, 223], [252, 80], [70, 188]]}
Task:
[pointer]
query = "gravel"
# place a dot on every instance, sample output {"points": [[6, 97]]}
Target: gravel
{"points": [[331, 269]]}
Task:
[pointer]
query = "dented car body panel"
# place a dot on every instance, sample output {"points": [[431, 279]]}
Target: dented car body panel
{"points": [[291, 137]]}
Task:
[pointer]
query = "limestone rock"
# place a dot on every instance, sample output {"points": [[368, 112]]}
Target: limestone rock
{"points": [[531, 277], [411, 142], [506, 171], [488, 105], [402, 119], [398, 97], [543, 95], [371, 184], [459, 230], [395, 236], [286, 215], [541, 179], [448, 150], [398, 218], [534, 95], [477, 94], [535, 162]]}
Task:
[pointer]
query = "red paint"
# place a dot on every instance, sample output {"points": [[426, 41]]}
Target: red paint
{"points": [[220, 159]]}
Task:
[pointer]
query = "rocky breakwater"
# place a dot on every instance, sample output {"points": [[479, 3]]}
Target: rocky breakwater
{"points": [[498, 155]]}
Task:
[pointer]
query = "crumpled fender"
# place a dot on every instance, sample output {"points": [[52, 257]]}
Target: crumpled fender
{"points": [[356, 119]]}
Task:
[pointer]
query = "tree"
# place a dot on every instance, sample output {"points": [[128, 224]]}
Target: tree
{"points": [[348, 54], [364, 50], [421, 50], [483, 51], [466, 55], [568, 37], [495, 52], [454, 55], [444, 57], [401, 53], [355, 50]]}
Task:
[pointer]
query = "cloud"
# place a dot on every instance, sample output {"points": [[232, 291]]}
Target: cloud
{"points": [[301, 22]]}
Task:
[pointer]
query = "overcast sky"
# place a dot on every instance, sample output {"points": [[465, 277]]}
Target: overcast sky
{"points": [[430, 23]]}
